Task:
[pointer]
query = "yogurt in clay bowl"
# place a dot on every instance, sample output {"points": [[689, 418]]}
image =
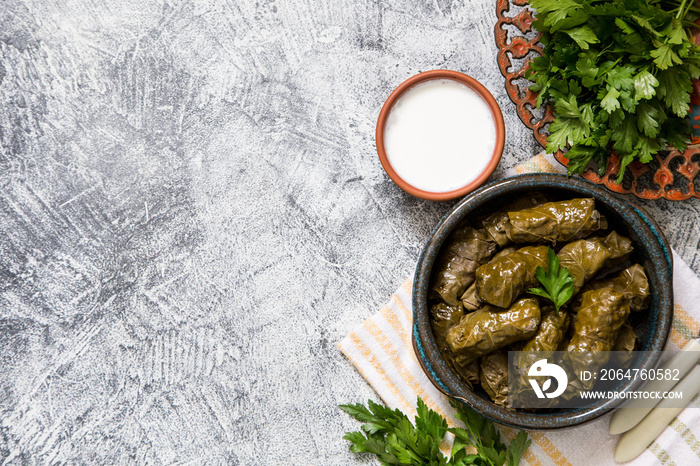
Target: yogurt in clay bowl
{"points": [[440, 135]]}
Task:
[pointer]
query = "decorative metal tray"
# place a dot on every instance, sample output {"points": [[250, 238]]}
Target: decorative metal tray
{"points": [[672, 175]]}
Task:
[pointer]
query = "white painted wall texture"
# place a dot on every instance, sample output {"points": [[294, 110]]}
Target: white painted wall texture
{"points": [[192, 215]]}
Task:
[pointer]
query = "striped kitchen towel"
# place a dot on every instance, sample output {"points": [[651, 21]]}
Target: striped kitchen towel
{"points": [[382, 351]]}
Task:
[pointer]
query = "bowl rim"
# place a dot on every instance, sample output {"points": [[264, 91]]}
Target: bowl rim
{"points": [[423, 341], [420, 78]]}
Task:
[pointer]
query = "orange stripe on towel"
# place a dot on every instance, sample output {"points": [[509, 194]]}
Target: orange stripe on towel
{"points": [[408, 286], [548, 447], [677, 338], [687, 320], [400, 367], [393, 320], [684, 326], [372, 359]]}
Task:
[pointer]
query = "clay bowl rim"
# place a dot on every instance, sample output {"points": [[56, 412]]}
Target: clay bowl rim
{"points": [[640, 226], [475, 86]]}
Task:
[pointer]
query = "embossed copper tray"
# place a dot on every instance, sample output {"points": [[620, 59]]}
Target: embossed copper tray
{"points": [[672, 175]]}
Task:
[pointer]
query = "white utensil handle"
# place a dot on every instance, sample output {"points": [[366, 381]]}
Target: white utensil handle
{"points": [[634, 410], [634, 442]]}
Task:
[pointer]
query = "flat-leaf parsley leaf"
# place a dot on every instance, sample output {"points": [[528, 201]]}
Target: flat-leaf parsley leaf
{"points": [[391, 436], [618, 73], [557, 281]]}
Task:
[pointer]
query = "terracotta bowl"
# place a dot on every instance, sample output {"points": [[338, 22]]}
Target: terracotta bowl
{"points": [[479, 89], [652, 327]]}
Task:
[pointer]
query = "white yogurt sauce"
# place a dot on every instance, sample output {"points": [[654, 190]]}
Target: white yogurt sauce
{"points": [[440, 135]]}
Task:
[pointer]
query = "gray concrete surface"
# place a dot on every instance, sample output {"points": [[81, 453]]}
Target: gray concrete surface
{"points": [[192, 215]]}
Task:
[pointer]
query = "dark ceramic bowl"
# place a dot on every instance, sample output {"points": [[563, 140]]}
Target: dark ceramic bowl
{"points": [[652, 327]]}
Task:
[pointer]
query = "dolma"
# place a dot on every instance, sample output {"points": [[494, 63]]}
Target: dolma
{"points": [[469, 374], [596, 327], [489, 329], [624, 344], [554, 222], [470, 298], [442, 318], [586, 257], [568, 333], [501, 281], [548, 338], [494, 376], [598, 320], [632, 282], [465, 250], [550, 333], [497, 225], [626, 339]]}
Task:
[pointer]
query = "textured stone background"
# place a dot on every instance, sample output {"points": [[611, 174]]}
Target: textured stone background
{"points": [[192, 215]]}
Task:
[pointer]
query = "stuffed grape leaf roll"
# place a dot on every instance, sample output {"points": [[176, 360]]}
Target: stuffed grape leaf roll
{"points": [[550, 333], [497, 225], [465, 250], [625, 343], [470, 298], [442, 318], [626, 339], [489, 329], [502, 280], [596, 327], [547, 339], [556, 221], [586, 257], [469, 374], [632, 282], [494, 376], [598, 320]]}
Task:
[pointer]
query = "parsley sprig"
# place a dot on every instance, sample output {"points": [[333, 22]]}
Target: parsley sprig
{"points": [[618, 75], [391, 436], [557, 281]]}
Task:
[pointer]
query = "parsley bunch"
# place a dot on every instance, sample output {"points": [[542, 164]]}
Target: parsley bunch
{"points": [[391, 436], [618, 73]]}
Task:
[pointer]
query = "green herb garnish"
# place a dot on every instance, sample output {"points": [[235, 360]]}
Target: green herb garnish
{"points": [[557, 281], [391, 436], [618, 74]]}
